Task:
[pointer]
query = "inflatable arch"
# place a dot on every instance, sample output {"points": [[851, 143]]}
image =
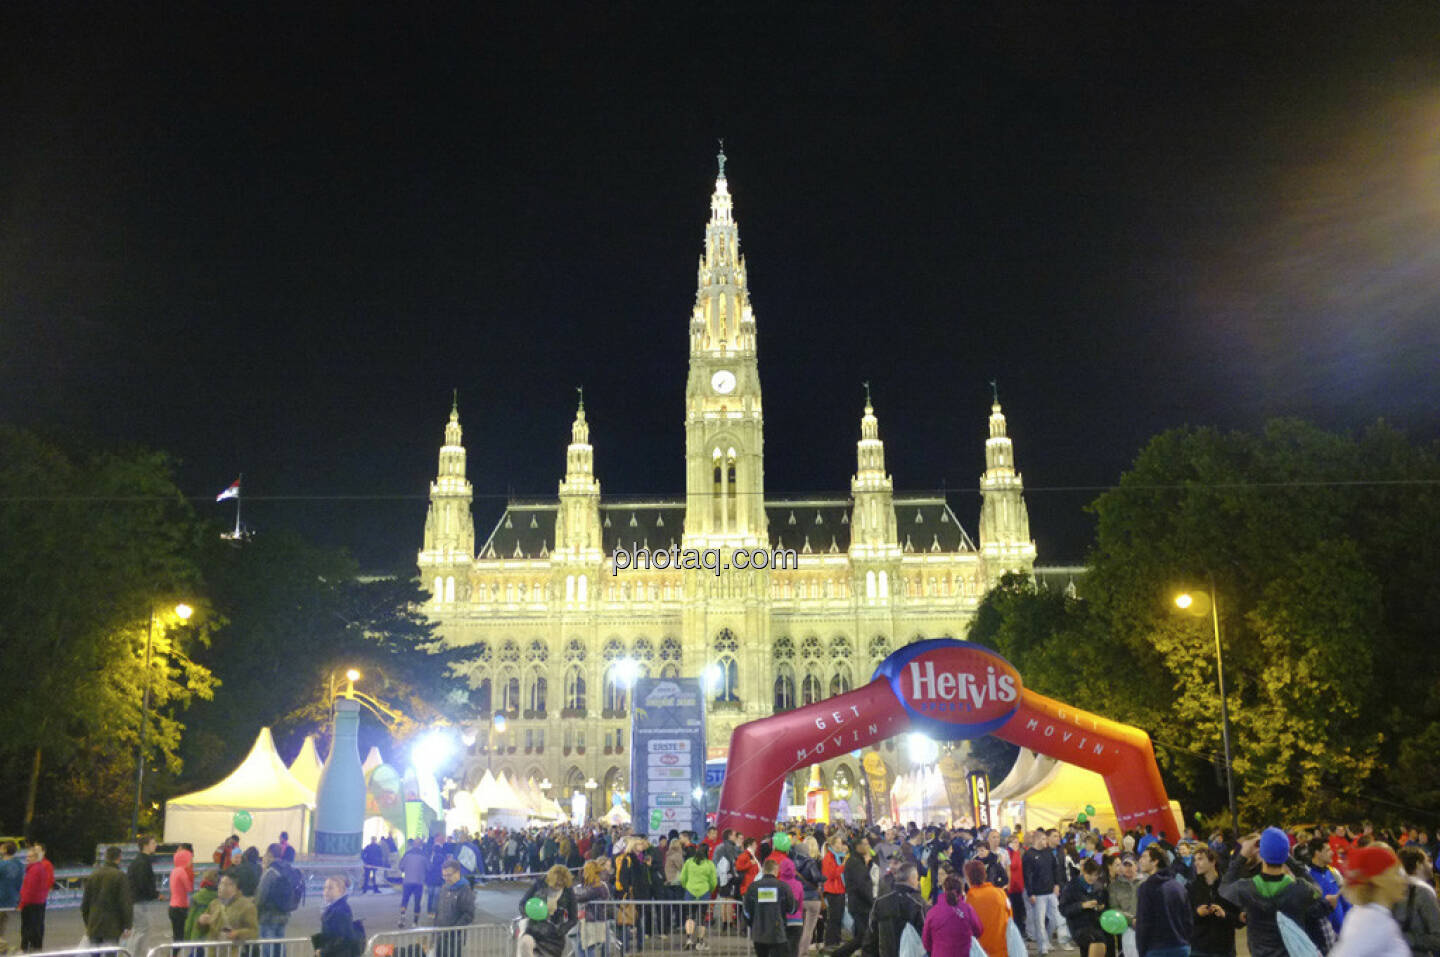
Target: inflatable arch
{"points": [[949, 690]]}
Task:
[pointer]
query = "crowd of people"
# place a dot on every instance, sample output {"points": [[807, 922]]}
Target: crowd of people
{"points": [[842, 890]]}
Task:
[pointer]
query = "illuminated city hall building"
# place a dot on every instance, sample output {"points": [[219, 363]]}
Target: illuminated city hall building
{"points": [[557, 636]]}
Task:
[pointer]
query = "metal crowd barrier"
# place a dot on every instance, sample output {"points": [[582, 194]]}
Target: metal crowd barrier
{"points": [[283, 947], [654, 929], [472, 940], [102, 950]]}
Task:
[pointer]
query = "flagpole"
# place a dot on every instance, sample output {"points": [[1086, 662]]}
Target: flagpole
{"points": [[240, 486]]}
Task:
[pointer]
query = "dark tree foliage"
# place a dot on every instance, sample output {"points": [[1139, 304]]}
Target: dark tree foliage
{"points": [[1323, 549], [96, 542], [298, 617]]}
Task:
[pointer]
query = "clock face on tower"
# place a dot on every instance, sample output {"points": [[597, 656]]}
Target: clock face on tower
{"points": [[723, 382]]}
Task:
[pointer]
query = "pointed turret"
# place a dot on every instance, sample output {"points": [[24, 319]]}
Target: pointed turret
{"points": [[874, 548], [872, 525], [1005, 544], [724, 427], [577, 525], [449, 528]]}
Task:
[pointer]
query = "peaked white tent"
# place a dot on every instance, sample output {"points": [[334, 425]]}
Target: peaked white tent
{"points": [[1044, 792], [307, 764], [262, 786]]}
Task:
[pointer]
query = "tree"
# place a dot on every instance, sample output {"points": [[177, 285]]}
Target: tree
{"points": [[297, 617], [1322, 549], [94, 543]]}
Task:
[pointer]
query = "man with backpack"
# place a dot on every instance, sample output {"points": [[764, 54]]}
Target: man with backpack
{"points": [[279, 893]]}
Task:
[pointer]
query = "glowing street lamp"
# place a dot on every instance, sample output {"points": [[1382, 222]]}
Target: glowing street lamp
{"points": [[183, 612], [1196, 604], [497, 726], [713, 677]]}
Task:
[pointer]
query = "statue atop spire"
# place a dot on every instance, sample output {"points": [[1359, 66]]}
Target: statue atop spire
{"points": [[995, 391], [866, 384], [580, 390], [721, 158], [454, 403]]}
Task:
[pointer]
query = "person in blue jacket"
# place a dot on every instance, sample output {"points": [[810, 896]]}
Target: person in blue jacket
{"points": [[1317, 858]]}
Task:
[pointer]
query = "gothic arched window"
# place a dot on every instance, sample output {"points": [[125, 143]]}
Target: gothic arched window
{"points": [[727, 655], [784, 687], [670, 658]]}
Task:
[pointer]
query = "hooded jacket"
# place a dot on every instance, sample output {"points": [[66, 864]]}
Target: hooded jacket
{"points": [[1084, 921], [182, 879], [1262, 897], [1163, 915], [787, 875]]}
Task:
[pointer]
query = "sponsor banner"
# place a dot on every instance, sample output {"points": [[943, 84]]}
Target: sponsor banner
{"points": [[667, 754], [953, 689]]}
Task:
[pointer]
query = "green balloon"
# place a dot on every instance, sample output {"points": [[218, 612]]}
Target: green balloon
{"points": [[1113, 922], [242, 821], [1090, 809], [536, 909], [1082, 817], [781, 842]]}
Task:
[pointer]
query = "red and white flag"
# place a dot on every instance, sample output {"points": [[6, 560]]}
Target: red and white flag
{"points": [[232, 492]]}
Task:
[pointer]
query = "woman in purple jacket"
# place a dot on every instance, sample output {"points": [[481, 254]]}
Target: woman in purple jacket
{"points": [[952, 923]]}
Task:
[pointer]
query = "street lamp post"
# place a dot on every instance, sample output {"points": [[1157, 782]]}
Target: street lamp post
{"points": [[1185, 602], [183, 612]]}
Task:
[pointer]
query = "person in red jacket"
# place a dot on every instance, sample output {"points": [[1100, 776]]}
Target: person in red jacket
{"points": [[747, 865], [1019, 903], [34, 892], [832, 865]]}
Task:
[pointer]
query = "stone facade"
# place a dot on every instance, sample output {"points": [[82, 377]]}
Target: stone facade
{"points": [[559, 631]]}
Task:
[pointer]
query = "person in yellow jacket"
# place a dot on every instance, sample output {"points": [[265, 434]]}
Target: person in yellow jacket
{"points": [[232, 915]]}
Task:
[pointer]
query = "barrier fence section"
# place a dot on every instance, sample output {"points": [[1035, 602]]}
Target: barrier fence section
{"points": [[102, 950], [282, 947], [472, 940], [667, 928]]}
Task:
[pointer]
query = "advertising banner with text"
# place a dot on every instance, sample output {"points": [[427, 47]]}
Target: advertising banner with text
{"points": [[667, 755]]}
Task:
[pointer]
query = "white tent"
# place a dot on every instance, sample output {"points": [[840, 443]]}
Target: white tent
{"points": [[371, 762], [306, 766], [616, 815], [1044, 792], [262, 786], [490, 795], [507, 796]]}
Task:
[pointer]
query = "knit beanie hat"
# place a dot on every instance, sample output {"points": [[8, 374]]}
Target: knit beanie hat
{"points": [[1274, 846]]}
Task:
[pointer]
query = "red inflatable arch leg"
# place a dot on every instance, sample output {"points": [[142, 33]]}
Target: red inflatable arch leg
{"points": [[763, 752], [1120, 753]]}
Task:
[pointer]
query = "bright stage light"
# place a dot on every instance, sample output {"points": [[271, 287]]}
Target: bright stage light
{"points": [[921, 749], [432, 751], [713, 676], [626, 671]]}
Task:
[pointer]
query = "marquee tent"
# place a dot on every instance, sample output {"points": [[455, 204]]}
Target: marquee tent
{"points": [[274, 799], [1045, 792], [307, 764]]}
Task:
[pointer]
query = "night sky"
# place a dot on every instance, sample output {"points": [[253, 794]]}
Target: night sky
{"points": [[272, 240]]}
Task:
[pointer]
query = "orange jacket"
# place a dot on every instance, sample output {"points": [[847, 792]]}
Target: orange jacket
{"points": [[992, 906], [834, 874]]}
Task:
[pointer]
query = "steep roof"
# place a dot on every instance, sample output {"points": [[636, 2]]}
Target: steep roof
{"points": [[808, 526]]}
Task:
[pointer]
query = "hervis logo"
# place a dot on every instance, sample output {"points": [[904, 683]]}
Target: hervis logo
{"points": [[953, 689]]}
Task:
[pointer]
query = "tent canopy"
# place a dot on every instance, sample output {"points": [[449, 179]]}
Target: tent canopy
{"points": [[306, 766], [1054, 792], [261, 786]]}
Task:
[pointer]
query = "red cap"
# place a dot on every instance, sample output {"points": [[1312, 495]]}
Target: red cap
{"points": [[1364, 864]]}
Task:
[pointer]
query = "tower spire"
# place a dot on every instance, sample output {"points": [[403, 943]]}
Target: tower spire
{"points": [[449, 544], [577, 524], [722, 323], [720, 158], [873, 535], [1004, 520]]}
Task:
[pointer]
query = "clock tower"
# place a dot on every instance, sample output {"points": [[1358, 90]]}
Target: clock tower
{"points": [[724, 434]]}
